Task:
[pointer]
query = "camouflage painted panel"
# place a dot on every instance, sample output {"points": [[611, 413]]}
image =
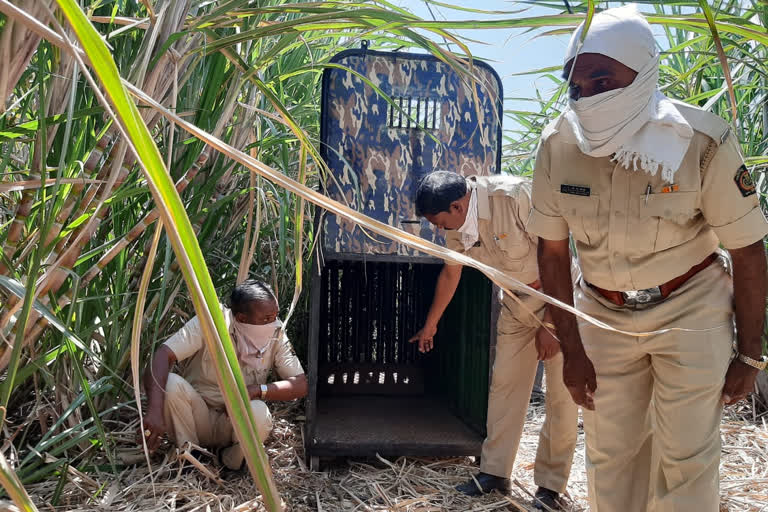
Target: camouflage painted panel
{"points": [[378, 152]]}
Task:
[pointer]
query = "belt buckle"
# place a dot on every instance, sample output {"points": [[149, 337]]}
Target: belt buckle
{"points": [[644, 297]]}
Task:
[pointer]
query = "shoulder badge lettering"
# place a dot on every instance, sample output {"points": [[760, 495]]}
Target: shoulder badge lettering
{"points": [[744, 181], [575, 190]]}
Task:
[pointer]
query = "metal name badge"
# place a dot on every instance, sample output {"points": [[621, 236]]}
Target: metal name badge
{"points": [[575, 190]]}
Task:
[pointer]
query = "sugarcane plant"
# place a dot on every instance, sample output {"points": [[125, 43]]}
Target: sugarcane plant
{"points": [[138, 148], [85, 180]]}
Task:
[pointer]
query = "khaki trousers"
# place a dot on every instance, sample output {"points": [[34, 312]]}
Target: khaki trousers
{"points": [[653, 440], [188, 418], [514, 370]]}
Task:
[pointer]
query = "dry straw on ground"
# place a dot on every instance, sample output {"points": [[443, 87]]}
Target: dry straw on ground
{"points": [[397, 485]]}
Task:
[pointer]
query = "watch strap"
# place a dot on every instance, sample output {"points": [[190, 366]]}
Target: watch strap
{"points": [[754, 363], [264, 390]]}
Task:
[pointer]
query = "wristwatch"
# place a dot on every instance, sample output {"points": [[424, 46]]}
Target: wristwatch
{"points": [[264, 391], [754, 363]]}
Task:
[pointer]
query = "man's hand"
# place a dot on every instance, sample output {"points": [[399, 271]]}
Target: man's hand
{"points": [[547, 345], [154, 424], [446, 285], [739, 382], [749, 290], [425, 337], [556, 279], [580, 379]]}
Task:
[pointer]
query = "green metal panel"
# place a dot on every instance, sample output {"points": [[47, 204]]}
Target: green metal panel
{"points": [[458, 366]]}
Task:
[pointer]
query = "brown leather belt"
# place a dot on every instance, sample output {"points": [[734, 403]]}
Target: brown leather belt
{"points": [[657, 293]]}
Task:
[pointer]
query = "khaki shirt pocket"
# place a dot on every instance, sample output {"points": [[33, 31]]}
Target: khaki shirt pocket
{"points": [[581, 214], [518, 317], [669, 218], [513, 247]]}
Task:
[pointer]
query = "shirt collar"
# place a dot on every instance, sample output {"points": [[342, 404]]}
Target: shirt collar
{"points": [[483, 203], [470, 221]]}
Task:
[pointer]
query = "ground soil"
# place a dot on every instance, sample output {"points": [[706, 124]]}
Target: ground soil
{"points": [[402, 484]]}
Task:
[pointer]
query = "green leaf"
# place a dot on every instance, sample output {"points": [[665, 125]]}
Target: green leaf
{"points": [[186, 247], [13, 487]]}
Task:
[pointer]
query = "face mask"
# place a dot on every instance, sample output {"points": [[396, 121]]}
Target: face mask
{"points": [[639, 126], [469, 230], [604, 122], [252, 340], [259, 336]]}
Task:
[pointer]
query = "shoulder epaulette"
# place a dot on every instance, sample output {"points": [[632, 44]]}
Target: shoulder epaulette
{"points": [[503, 184], [552, 128], [705, 122]]}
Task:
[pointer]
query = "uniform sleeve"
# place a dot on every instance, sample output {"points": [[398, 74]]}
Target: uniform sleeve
{"points": [[545, 220], [729, 200], [187, 340], [523, 208], [287, 364], [453, 242]]}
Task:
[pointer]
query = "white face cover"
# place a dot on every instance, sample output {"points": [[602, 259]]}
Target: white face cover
{"points": [[604, 122], [469, 230], [638, 125], [253, 340]]}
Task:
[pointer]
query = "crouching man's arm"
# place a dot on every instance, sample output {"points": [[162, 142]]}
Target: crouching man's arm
{"points": [[293, 383], [155, 380], [185, 343], [282, 390]]}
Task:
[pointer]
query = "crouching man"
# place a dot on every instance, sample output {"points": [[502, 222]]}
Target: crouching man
{"points": [[189, 405]]}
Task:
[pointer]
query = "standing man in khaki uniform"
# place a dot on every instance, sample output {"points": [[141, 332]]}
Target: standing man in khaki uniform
{"points": [[485, 218], [648, 188], [189, 406]]}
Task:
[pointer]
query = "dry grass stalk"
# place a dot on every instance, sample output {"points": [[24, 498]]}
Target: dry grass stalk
{"points": [[66, 252], [57, 95], [38, 328], [412, 484], [17, 46], [186, 455], [40, 325]]}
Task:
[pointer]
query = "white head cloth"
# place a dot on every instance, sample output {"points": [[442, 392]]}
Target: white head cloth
{"points": [[637, 124], [469, 230]]}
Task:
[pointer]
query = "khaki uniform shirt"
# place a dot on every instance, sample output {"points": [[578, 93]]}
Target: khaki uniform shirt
{"points": [[629, 240], [503, 207], [200, 371]]}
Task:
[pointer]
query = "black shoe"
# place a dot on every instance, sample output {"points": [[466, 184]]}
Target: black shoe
{"points": [[487, 484], [546, 497]]}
